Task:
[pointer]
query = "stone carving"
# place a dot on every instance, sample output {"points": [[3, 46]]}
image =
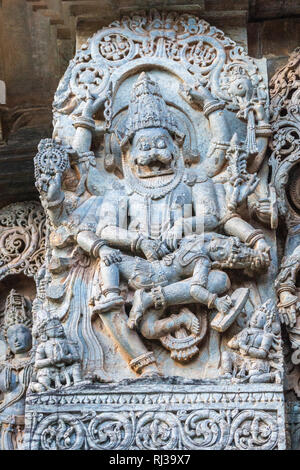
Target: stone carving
{"points": [[131, 417], [57, 362], [160, 243], [284, 162], [151, 145], [22, 238], [258, 357], [15, 371]]}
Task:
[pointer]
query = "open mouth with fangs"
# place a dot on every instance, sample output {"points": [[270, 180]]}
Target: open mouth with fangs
{"points": [[155, 168]]}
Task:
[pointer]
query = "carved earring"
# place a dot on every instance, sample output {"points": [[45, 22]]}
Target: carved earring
{"points": [[8, 354], [43, 337]]}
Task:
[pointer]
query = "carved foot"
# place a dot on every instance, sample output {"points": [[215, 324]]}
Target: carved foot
{"points": [[106, 304], [145, 364], [137, 310], [189, 320], [226, 375]]}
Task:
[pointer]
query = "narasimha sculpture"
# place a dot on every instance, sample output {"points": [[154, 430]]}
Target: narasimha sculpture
{"points": [[160, 250]]}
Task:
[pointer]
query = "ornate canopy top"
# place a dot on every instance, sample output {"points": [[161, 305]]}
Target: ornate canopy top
{"points": [[183, 44]]}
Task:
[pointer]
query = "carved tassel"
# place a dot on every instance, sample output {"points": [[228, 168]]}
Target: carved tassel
{"points": [[251, 139]]}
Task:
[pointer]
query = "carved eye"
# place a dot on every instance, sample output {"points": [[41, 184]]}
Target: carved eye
{"points": [[161, 144], [144, 145]]}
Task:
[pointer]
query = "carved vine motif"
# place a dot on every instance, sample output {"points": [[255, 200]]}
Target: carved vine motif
{"points": [[285, 119], [22, 238], [198, 430]]}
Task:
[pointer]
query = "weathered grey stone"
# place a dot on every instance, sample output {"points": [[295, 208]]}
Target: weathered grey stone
{"points": [[155, 312], [148, 236], [171, 413], [15, 371]]}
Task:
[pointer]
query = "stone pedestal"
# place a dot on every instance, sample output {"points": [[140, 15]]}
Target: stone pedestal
{"points": [[158, 414]]}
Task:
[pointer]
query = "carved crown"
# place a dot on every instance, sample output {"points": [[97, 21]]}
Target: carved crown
{"points": [[16, 311], [147, 108]]}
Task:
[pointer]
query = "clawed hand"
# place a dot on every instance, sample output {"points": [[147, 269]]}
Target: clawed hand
{"points": [[288, 315], [172, 237], [223, 304], [263, 210], [247, 188], [109, 255], [93, 105], [197, 93], [149, 248]]}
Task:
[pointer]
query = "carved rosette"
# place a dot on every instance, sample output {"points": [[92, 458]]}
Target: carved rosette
{"points": [[22, 238]]}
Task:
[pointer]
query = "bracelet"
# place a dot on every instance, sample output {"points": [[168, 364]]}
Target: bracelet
{"points": [[221, 144], [212, 106], [110, 290], [228, 216], [158, 298], [57, 202], [286, 288], [211, 300], [198, 283], [263, 130], [142, 361], [96, 247], [85, 122], [136, 243], [85, 157], [288, 304], [254, 237]]}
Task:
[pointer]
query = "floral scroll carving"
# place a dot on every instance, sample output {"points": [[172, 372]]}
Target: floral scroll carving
{"points": [[22, 238], [208, 429]]}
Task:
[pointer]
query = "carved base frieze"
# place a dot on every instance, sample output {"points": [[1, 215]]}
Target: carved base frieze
{"points": [[169, 413]]}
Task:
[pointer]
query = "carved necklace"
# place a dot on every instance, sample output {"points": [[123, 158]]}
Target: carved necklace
{"points": [[19, 363], [153, 192]]}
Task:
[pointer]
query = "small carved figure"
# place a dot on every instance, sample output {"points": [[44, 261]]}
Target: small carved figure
{"points": [[257, 348], [57, 361], [15, 371]]}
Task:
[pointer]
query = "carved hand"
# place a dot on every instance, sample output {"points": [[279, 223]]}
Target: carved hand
{"points": [[247, 188], [260, 112], [264, 249], [51, 185], [109, 255], [149, 248], [223, 304], [263, 210], [172, 237], [288, 314], [54, 188], [200, 94], [68, 359], [93, 105]]}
